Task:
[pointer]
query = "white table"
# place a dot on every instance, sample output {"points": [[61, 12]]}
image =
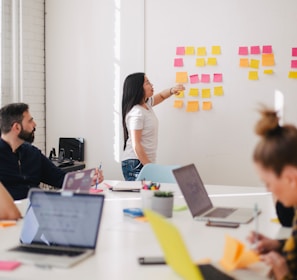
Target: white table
{"points": [[122, 240]]}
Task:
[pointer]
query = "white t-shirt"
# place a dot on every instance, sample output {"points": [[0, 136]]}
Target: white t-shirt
{"points": [[143, 119]]}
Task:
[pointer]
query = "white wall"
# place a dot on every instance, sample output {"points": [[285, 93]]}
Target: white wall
{"points": [[85, 71], [90, 46]]}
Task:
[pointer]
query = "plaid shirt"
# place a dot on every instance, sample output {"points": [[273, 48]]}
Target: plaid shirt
{"points": [[290, 251]]}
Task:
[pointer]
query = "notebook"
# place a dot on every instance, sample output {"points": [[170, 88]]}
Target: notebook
{"points": [[176, 253], [199, 202], [59, 229], [127, 186], [78, 181]]}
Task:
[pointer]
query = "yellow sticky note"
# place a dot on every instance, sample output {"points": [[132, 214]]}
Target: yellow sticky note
{"points": [[254, 63], [292, 75], [253, 75], [235, 256], [206, 105], [181, 77], [190, 50], [200, 62], [192, 106], [218, 91], [215, 50], [244, 62], [206, 93], [268, 71], [178, 104], [194, 92], [201, 51], [267, 59], [181, 94], [211, 61]]}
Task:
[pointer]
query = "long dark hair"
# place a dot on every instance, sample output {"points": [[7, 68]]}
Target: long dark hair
{"points": [[133, 94]]}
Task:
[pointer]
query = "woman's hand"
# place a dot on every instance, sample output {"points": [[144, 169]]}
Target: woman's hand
{"points": [[262, 244], [98, 177], [177, 89], [277, 263]]}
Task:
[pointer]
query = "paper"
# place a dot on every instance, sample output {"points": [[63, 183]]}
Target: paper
{"points": [[200, 62], [181, 77], [192, 106], [201, 51], [243, 51], [181, 94], [254, 63], [268, 71], [215, 50], [194, 79], [253, 75], [294, 64], [9, 265], [178, 62], [267, 49], [180, 50], [217, 77], [294, 51], [268, 60], [7, 223], [190, 50], [206, 93], [178, 104], [212, 61], [194, 92], [235, 255], [244, 62], [205, 78], [255, 50], [206, 105], [218, 91], [292, 75]]}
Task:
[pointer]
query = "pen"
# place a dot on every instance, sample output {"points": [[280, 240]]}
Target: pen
{"points": [[97, 180], [256, 223]]}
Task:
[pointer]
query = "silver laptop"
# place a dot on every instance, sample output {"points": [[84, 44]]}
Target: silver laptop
{"points": [[199, 202], [59, 229], [78, 181]]}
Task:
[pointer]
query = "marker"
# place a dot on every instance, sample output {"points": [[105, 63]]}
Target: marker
{"points": [[97, 181]]}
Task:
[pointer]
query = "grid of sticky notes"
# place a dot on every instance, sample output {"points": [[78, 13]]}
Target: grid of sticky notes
{"points": [[256, 58], [293, 71], [202, 83]]}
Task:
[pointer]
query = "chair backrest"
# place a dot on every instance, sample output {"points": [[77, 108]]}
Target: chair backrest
{"points": [[157, 173]]}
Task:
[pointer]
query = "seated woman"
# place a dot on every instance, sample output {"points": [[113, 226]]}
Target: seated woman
{"points": [[8, 209]]}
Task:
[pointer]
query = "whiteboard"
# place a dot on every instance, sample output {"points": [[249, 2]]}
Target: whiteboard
{"points": [[220, 141]]}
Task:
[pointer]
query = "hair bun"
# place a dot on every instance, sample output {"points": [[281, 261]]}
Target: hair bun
{"points": [[268, 123]]}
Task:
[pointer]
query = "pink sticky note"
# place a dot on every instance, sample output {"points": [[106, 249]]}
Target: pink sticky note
{"points": [[180, 50], [9, 265], [205, 78], [178, 62], [294, 51], [217, 77], [294, 64], [243, 51], [194, 79], [267, 49], [255, 50]]}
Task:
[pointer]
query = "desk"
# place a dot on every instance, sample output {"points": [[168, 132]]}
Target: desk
{"points": [[122, 240]]}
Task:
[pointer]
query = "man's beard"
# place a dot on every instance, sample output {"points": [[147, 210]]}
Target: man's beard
{"points": [[26, 135]]}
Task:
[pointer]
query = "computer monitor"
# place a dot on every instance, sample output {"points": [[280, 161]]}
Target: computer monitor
{"points": [[72, 147]]}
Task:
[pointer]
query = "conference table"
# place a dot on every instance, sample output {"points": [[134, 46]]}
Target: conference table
{"points": [[122, 239]]}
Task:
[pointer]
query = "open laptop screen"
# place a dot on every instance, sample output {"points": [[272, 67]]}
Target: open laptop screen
{"points": [[62, 219]]}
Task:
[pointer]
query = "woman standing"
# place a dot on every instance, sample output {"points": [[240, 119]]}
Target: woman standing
{"points": [[140, 123], [275, 159]]}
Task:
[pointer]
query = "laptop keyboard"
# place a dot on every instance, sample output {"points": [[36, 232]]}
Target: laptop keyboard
{"points": [[210, 272], [220, 212], [47, 251]]}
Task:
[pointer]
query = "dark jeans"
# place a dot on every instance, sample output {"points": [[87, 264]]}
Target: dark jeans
{"points": [[131, 169]]}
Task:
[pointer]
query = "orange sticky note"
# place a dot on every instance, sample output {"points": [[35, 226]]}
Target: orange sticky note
{"points": [[267, 59], [181, 77], [192, 106], [7, 223], [178, 104], [244, 62], [206, 105]]}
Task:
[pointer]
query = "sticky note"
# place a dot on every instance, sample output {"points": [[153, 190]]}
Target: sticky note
{"points": [[215, 50], [193, 92], [200, 62], [243, 51], [206, 93], [206, 105], [205, 78], [178, 62], [190, 51], [212, 61], [181, 77], [267, 59], [194, 79], [254, 63], [267, 49], [181, 94], [218, 91], [180, 50], [294, 51], [192, 106], [292, 75], [244, 62], [9, 265], [255, 50], [293, 63], [178, 104], [201, 51], [7, 223], [217, 77], [253, 75], [268, 71]]}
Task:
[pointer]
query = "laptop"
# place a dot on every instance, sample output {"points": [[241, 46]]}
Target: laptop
{"points": [[199, 202], [176, 253], [60, 229], [79, 181]]}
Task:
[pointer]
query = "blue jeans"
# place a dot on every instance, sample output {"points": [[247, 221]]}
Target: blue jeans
{"points": [[131, 169]]}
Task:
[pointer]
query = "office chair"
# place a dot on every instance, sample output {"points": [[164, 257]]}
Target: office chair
{"points": [[157, 173]]}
